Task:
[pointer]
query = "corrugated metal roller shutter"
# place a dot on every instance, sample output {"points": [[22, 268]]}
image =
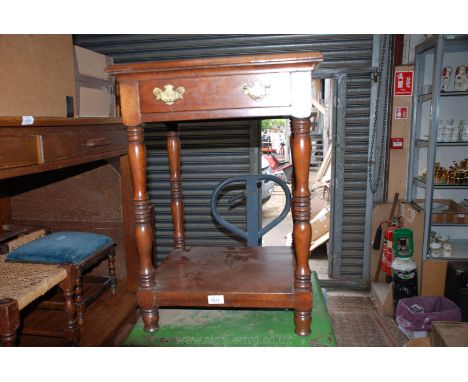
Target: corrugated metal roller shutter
{"points": [[355, 174], [210, 153], [351, 54], [340, 51]]}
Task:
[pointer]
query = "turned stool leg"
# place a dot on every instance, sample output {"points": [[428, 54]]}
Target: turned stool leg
{"points": [[72, 329], [111, 266], [78, 297], [9, 321]]}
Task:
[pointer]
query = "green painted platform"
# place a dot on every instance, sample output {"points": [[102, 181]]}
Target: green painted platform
{"points": [[236, 327]]}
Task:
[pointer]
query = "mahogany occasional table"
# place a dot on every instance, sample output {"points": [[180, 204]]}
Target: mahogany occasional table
{"points": [[272, 85]]}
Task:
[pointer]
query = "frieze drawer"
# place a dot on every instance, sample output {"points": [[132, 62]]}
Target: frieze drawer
{"points": [[19, 151], [214, 93], [66, 145]]}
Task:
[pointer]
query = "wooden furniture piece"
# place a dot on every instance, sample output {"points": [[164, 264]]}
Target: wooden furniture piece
{"points": [[104, 283], [12, 237], [75, 177], [84, 251], [233, 327], [218, 88], [64, 144], [53, 143], [21, 284]]}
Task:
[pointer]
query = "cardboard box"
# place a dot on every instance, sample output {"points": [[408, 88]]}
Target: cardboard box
{"points": [[94, 87], [456, 213], [321, 223], [449, 333], [410, 334], [419, 342], [37, 75], [433, 280], [383, 297]]}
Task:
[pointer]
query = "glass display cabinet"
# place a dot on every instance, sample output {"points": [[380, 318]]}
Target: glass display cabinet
{"points": [[438, 164]]}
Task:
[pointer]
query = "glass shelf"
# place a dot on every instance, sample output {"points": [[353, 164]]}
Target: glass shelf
{"points": [[424, 142], [421, 182], [459, 251], [446, 218], [449, 224], [428, 96]]}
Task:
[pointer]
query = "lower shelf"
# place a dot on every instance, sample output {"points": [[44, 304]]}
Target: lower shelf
{"points": [[254, 277], [236, 327], [459, 251]]}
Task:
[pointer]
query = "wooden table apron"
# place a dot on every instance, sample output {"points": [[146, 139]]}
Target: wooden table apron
{"points": [[220, 88]]}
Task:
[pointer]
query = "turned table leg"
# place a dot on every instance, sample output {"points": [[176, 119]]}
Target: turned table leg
{"points": [[177, 202], [302, 232], [9, 321], [143, 229]]}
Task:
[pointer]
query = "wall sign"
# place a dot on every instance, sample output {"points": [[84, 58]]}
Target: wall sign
{"points": [[396, 143], [403, 83], [401, 112]]}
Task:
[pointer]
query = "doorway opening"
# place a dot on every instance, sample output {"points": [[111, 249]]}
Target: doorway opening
{"points": [[276, 159]]}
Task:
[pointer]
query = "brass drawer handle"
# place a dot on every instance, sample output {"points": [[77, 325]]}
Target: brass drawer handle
{"points": [[258, 91], [98, 142], [169, 96]]}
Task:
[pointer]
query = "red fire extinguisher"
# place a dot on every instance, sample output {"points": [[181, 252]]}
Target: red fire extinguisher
{"points": [[387, 248]]}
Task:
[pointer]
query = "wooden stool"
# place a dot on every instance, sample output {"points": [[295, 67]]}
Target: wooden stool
{"points": [[81, 249], [21, 284]]}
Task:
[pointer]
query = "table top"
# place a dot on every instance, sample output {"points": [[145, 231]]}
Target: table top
{"points": [[20, 121], [303, 60]]}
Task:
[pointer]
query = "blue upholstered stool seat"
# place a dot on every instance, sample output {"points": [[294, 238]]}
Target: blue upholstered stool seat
{"points": [[61, 247], [82, 249]]}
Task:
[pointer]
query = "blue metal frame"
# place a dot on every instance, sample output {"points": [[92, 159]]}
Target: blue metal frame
{"points": [[254, 229]]}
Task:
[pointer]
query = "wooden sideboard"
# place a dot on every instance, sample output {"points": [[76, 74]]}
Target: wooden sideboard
{"points": [[53, 143], [220, 88], [73, 174], [69, 173]]}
